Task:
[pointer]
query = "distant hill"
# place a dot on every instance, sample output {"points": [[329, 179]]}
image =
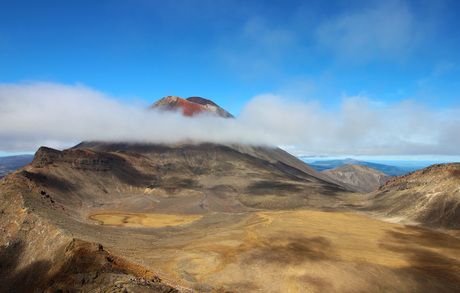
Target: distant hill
{"points": [[358, 177], [330, 164], [10, 163]]}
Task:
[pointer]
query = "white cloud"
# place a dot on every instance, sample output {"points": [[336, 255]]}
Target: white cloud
{"points": [[60, 116], [387, 31]]}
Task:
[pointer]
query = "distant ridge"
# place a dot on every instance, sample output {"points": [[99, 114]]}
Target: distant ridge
{"points": [[360, 178], [10, 163], [329, 164]]}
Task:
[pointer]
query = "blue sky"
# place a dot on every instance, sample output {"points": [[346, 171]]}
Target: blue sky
{"points": [[390, 56]]}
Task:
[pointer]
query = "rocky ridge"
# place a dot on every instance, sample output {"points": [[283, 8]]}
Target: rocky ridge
{"points": [[430, 196]]}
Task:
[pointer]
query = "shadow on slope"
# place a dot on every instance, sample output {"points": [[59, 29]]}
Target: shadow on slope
{"points": [[294, 250], [16, 279], [204, 177], [89, 161]]}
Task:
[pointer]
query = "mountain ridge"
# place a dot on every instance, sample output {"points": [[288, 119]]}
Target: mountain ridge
{"points": [[429, 196]]}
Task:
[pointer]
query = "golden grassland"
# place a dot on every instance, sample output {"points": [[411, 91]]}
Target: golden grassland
{"points": [[302, 250]]}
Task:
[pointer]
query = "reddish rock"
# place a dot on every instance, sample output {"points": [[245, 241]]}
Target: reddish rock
{"points": [[190, 107]]}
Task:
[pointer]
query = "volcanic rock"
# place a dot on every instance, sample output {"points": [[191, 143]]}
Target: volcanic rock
{"points": [[190, 107]]}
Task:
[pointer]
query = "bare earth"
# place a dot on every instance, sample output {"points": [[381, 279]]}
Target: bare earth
{"points": [[211, 218], [297, 251]]}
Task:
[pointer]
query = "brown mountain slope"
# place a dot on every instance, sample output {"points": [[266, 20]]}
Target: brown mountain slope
{"points": [[244, 235], [39, 251], [210, 177], [358, 177], [430, 196]]}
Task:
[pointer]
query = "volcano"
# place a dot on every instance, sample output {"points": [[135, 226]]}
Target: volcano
{"points": [[203, 217], [190, 107]]}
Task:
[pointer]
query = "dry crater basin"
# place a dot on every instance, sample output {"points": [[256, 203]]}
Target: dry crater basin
{"points": [[286, 251]]}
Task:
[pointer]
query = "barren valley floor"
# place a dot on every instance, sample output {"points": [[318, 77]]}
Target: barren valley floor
{"points": [[288, 251]]}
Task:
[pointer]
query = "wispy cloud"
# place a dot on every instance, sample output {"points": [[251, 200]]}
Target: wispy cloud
{"points": [[257, 48], [59, 116], [387, 31]]}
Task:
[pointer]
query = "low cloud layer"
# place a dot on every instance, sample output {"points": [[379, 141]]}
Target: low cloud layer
{"points": [[59, 116]]}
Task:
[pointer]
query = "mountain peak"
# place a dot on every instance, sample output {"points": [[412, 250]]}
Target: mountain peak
{"points": [[190, 106], [351, 161], [201, 101]]}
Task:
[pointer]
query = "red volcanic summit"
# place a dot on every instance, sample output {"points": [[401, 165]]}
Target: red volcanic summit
{"points": [[191, 106], [201, 101]]}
